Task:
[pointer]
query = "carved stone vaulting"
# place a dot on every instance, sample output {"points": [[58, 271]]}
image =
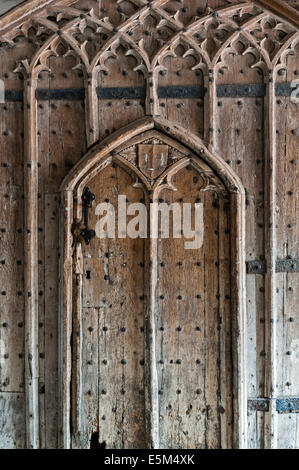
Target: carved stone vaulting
{"points": [[115, 107]]}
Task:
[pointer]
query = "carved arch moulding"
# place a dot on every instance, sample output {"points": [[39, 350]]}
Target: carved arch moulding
{"points": [[148, 32], [183, 150]]}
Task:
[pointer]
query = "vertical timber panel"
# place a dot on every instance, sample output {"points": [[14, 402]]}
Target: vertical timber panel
{"points": [[12, 326], [113, 286], [179, 70], [62, 142], [119, 72], [239, 131], [287, 247], [30, 263], [193, 387], [11, 249]]}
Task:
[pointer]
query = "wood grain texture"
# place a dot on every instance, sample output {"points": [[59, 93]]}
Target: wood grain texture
{"points": [[12, 253], [190, 381], [113, 288], [249, 142], [91, 298], [12, 425]]}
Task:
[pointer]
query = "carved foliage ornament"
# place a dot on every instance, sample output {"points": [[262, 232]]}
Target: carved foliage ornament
{"points": [[152, 155], [148, 28], [211, 35], [271, 35]]}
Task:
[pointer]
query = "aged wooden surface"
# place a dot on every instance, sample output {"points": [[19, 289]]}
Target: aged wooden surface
{"points": [[95, 163], [80, 79]]}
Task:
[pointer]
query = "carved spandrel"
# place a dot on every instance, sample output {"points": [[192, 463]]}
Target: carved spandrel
{"points": [[152, 32], [159, 158], [242, 15], [271, 34], [151, 155], [212, 34]]}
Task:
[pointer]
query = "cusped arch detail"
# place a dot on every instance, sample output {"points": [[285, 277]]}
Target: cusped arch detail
{"points": [[90, 164], [174, 131]]}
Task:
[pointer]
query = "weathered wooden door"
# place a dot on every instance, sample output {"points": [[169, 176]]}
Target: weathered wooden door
{"points": [[132, 340], [151, 315]]}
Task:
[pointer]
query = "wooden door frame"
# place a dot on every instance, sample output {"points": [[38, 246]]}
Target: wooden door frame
{"points": [[237, 237], [20, 13]]}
